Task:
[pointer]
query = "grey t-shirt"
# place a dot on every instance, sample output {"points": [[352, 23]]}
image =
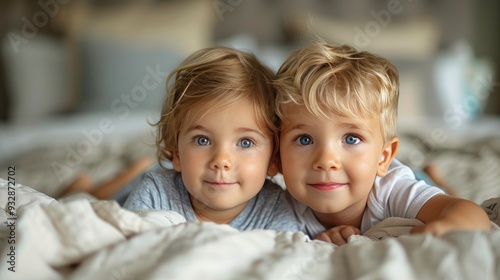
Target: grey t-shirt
{"points": [[271, 208]]}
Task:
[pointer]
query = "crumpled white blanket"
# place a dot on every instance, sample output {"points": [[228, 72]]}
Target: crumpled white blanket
{"points": [[99, 240], [395, 227], [391, 227]]}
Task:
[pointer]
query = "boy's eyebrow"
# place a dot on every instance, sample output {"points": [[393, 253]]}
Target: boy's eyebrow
{"points": [[347, 125], [358, 126], [297, 126]]}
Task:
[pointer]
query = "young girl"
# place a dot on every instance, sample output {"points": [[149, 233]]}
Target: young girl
{"points": [[219, 130]]}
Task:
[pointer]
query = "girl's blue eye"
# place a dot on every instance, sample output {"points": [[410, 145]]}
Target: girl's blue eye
{"points": [[304, 140], [352, 140], [246, 143], [202, 141]]}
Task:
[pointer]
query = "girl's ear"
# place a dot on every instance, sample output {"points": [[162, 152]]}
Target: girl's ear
{"points": [[388, 153], [274, 166], [176, 161]]}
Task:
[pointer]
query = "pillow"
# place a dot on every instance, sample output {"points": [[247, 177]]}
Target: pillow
{"points": [[125, 53], [404, 39], [184, 26], [36, 78], [118, 78]]}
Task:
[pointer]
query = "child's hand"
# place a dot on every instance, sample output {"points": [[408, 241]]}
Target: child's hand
{"points": [[338, 235]]}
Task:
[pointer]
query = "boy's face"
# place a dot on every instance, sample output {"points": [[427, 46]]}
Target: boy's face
{"points": [[224, 158], [330, 165]]}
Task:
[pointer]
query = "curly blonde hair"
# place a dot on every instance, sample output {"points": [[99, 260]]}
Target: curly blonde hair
{"points": [[340, 80], [212, 79]]}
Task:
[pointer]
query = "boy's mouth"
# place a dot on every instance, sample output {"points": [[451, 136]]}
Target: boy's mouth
{"points": [[326, 186]]}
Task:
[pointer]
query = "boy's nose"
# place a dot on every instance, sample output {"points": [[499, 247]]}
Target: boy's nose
{"points": [[326, 160], [222, 159]]}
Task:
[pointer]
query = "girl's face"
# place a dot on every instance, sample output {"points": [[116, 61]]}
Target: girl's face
{"points": [[330, 165], [224, 159]]}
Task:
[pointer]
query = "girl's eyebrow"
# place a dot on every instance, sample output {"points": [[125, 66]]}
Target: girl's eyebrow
{"points": [[239, 130], [196, 127], [248, 129]]}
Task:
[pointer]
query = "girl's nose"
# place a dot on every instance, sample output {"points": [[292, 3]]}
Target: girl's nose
{"points": [[222, 159]]}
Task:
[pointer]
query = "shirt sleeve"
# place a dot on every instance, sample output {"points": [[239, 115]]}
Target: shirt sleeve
{"points": [[401, 194], [146, 195]]}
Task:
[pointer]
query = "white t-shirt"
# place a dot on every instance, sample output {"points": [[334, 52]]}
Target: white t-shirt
{"points": [[397, 194]]}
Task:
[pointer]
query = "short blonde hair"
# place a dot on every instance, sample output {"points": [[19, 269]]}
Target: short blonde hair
{"points": [[338, 79], [212, 79]]}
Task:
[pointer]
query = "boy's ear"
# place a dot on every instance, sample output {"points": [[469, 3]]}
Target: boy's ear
{"points": [[388, 153], [274, 166], [176, 161]]}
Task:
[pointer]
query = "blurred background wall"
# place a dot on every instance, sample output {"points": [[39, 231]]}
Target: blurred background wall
{"points": [[67, 56]]}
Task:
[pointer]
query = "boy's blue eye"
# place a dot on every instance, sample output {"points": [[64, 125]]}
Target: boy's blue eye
{"points": [[202, 141], [246, 143], [352, 140], [304, 140]]}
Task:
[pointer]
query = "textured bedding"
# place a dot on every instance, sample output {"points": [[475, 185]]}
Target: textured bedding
{"points": [[468, 167], [90, 239], [50, 154]]}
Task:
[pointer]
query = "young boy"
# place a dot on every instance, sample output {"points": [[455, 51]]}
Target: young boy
{"points": [[219, 129], [338, 139]]}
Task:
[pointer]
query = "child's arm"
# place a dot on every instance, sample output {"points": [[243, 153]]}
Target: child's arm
{"points": [[443, 213]]}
